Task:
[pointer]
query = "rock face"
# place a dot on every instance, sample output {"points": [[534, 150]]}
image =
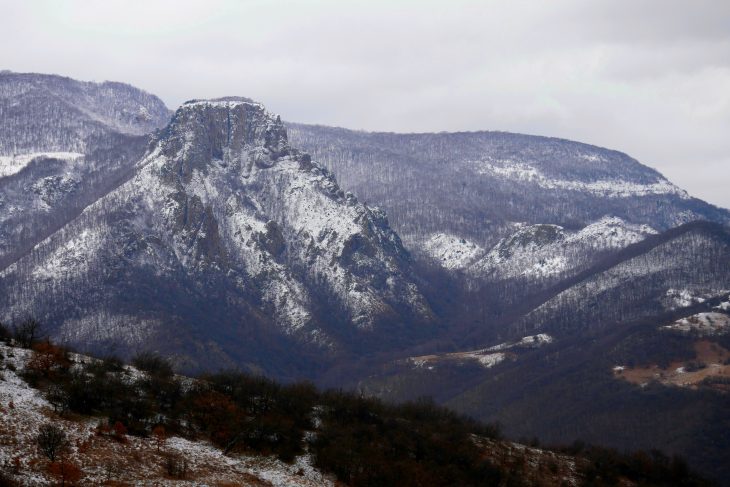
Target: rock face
{"points": [[63, 144], [225, 239]]}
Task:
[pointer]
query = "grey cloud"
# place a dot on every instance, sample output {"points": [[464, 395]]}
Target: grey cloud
{"points": [[651, 78]]}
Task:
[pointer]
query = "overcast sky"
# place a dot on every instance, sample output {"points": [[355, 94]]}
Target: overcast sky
{"points": [[650, 78]]}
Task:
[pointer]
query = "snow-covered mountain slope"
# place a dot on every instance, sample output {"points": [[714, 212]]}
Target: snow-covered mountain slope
{"points": [[450, 251], [63, 144], [640, 281], [550, 251], [223, 235], [535, 252], [612, 187], [482, 187]]}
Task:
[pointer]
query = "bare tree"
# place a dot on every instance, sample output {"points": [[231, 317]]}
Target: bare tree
{"points": [[51, 441], [27, 332]]}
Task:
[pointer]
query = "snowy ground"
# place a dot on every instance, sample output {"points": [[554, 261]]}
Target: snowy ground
{"points": [[710, 368]]}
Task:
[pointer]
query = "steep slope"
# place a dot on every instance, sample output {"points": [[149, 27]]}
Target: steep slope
{"points": [[63, 144], [482, 187], [227, 247]]}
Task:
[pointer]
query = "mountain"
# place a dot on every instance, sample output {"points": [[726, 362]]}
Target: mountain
{"points": [[63, 144], [555, 264], [225, 247], [461, 199], [559, 288]]}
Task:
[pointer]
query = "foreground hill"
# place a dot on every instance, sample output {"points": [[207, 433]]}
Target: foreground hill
{"points": [[72, 419]]}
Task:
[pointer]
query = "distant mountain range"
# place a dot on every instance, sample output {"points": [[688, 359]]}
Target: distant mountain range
{"points": [[509, 268]]}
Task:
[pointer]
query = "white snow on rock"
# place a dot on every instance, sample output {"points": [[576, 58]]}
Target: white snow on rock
{"points": [[617, 188], [483, 357], [610, 232], [530, 251], [530, 341], [703, 324], [451, 251], [682, 298], [254, 211], [548, 266], [545, 250]]}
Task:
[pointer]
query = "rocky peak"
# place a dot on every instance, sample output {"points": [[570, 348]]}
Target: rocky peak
{"points": [[230, 131]]}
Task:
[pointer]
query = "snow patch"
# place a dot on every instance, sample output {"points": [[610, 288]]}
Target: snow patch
{"points": [[682, 298], [610, 232], [10, 165], [615, 188], [703, 324], [530, 341]]}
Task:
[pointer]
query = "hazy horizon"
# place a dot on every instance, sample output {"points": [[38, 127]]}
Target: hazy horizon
{"points": [[651, 79]]}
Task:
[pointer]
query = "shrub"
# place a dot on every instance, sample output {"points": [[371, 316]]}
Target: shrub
{"points": [[153, 364], [47, 360], [5, 335], [160, 436], [176, 465], [65, 472], [27, 332], [57, 396], [51, 441]]}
